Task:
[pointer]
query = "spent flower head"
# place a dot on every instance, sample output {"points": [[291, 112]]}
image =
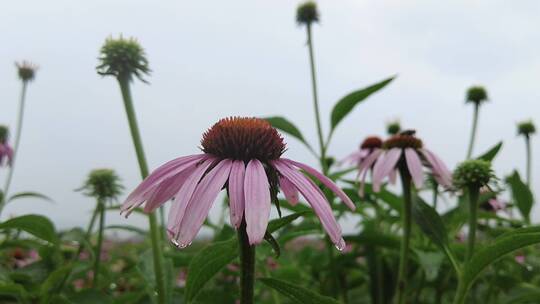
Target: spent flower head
{"points": [[123, 58], [477, 95], [26, 70], [475, 173], [526, 128], [307, 13], [103, 184]]}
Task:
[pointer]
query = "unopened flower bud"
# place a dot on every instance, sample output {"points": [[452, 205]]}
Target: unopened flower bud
{"points": [[393, 127], [526, 128], [4, 133], [26, 70], [477, 95], [123, 58], [474, 173], [103, 184], [307, 13]]}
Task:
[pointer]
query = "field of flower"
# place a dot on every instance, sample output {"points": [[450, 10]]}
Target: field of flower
{"points": [[427, 232]]}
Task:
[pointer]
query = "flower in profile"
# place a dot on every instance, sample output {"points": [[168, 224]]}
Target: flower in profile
{"points": [[242, 155], [307, 13], [123, 58], [26, 70], [477, 95], [103, 184], [365, 157], [526, 128], [6, 152], [393, 127], [407, 151]]}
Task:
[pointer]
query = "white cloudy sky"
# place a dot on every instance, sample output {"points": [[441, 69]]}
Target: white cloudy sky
{"points": [[212, 59]]}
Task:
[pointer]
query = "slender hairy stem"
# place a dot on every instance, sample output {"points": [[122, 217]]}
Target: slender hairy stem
{"points": [[316, 100], [247, 265], [97, 255], [528, 147], [406, 218], [154, 228], [15, 145], [473, 130], [474, 193]]}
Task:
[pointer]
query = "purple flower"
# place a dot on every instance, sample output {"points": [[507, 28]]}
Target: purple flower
{"points": [[242, 155], [365, 157], [408, 150], [6, 152]]}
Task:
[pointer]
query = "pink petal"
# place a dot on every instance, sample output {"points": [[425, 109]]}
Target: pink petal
{"points": [[290, 192], [236, 192], [325, 180], [384, 165], [165, 191], [392, 177], [315, 199], [257, 194], [354, 158], [414, 164], [369, 161], [201, 202], [440, 172], [182, 198]]}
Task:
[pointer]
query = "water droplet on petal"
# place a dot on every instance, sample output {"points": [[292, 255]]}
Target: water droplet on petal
{"points": [[340, 245]]}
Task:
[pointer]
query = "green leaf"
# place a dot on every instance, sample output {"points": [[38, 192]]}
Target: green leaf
{"points": [[347, 103], [502, 245], [127, 228], [14, 290], [30, 194], [431, 263], [34, 224], [90, 296], [273, 243], [276, 224], [207, 263], [286, 126], [297, 293], [522, 194], [54, 281], [491, 153]]}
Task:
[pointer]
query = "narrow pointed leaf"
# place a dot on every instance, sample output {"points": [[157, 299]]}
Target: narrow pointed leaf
{"points": [[29, 194], [522, 195], [490, 154], [286, 126], [345, 105]]}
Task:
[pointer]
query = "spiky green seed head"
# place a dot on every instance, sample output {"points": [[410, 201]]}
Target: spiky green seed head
{"points": [[307, 13], [473, 173], [26, 70], [4, 133], [123, 58], [393, 127], [526, 128], [103, 184], [477, 95]]}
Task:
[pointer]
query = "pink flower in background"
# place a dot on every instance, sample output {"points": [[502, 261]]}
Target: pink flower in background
{"points": [[6, 152], [408, 150], [242, 155], [22, 258], [365, 157], [520, 259]]}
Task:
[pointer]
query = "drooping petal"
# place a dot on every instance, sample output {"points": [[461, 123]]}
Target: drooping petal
{"points": [[440, 172], [183, 196], [257, 194], [354, 158], [325, 180], [236, 193], [414, 164], [392, 177], [165, 191], [369, 161], [384, 165], [290, 192], [201, 202], [150, 183], [315, 199]]}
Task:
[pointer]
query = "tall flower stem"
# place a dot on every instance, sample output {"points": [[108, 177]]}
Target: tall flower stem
{"points": [[473, 130], [15, 146], [154, 228], [435, 195], [247, 266], [528, 151], [316, 100], [97, 255], [406, 218], [474, 193]]}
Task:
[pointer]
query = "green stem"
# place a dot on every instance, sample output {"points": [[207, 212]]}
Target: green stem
{"points": [[154, 228], [316, 100], [528, 147], [461, 293], [97, 255], [435, 195], [407, 223], [15, 145], [474, 193], [473, 130], [247, 265], [92, 221]]}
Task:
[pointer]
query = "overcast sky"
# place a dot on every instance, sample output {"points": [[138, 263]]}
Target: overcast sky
{"points": [[212, 59]]}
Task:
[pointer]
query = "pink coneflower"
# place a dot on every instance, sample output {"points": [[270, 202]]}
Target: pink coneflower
{"points": [[243, 156], [365, 157], [493, 204], [6, 152], [408, 150]]}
